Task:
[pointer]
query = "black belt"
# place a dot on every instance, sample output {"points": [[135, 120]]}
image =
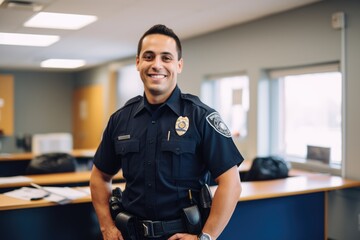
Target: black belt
{"points": [[155, 229]]}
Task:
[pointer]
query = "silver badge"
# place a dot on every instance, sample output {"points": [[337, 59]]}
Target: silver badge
{"points": [[218, 124], [182, 125]]}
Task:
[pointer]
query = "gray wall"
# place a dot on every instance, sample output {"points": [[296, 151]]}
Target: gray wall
{"points": [[300, 37], [42, 104]]}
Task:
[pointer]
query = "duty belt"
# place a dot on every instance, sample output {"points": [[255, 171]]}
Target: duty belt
{"points": [[155, 229]]}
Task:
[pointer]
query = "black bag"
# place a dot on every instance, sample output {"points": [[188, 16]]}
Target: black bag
{"points": [[52, 163], [267, 168]]}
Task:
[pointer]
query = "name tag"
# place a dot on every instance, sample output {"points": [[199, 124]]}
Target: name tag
{"points": [[124, 137]]}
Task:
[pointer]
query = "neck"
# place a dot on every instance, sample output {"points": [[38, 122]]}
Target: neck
{"points": [[158, 99], [154, 98]]}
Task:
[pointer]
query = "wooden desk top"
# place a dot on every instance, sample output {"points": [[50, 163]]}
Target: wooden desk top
{"points": [[28, 155], [9, 203], [309, 183], [57, 179]]}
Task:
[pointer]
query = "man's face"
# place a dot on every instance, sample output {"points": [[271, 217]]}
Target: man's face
{"points": [[158, 66]]}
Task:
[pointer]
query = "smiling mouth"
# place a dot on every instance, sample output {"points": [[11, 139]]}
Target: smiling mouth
{"points": [[157, 76]]}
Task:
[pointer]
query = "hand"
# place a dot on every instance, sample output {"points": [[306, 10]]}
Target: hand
{"points": [[112, 233], [183, 236]]}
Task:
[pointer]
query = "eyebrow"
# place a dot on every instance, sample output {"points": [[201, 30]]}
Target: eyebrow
{"points": [[162, 53]]}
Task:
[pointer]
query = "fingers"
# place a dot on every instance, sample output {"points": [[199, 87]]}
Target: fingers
{"points": [[183, 236], [175, 236]]}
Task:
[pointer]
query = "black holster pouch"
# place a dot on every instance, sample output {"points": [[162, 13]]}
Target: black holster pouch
{"points": [[205, 202], [115, 203], [195, 216], [192, 219], [126, 223]]}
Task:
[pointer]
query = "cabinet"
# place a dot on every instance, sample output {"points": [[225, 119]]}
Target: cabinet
{"points": [[88, 116], [6, 105]]}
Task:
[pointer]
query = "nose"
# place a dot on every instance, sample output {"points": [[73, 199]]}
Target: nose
{"points": [[157, 63]]}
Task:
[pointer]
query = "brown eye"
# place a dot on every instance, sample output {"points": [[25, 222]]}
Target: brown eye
{"points": [[167, 58], [148, 57]]}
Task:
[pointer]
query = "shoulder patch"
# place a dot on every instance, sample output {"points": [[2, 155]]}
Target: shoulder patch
{"points": [[218, 124]]}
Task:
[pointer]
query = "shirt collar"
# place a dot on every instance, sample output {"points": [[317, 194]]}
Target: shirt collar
{"points": [[173, 102]]}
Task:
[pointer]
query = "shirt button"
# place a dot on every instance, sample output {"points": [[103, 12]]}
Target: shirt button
{"points": [[153, 122], [149, 185], [148, 163]]}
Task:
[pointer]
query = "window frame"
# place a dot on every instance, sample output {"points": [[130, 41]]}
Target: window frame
{"points": [[275, 133], [208, 85]]}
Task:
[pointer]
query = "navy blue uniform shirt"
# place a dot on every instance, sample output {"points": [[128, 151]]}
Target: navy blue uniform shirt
{"points": [[165, 152]]}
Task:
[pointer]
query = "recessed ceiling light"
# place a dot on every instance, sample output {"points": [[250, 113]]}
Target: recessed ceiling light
{"points": [[21, 39], [62, 63], [22, 5], [60, 21]]}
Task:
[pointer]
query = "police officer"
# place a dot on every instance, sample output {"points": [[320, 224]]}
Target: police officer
{"points": [[166, 143]]}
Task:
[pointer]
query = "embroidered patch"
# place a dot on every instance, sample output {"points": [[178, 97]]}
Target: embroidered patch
{"points": [[218, 124]]}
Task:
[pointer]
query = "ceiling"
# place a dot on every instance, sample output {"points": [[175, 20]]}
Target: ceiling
{"points": [[122, 22]]}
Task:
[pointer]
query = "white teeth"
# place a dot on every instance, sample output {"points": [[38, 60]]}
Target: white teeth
{"points": [[157, 76]]}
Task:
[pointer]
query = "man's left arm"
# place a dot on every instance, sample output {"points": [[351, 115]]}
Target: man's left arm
{"points": [[224, 202], [223, 205]]}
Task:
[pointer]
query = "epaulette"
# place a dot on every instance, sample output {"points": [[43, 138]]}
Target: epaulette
{"points": [[127, 104], [194, 99], [133, 100]]}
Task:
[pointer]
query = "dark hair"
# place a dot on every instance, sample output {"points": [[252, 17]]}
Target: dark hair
{"points": [[161, 29]]}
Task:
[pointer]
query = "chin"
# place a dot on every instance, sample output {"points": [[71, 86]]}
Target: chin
{"points": [[156, 90]]}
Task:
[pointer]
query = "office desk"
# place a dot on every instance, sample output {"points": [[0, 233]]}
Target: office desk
{"points": [[16, 163], [27, 156], [58, 179], [292, 208]]}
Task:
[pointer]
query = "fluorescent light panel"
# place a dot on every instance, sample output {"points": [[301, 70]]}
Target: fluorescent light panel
{"points": [[60, 21], [62, 63], [27, 39]]}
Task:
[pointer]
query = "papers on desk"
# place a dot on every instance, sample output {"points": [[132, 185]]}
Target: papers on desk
{"points": [[69, 193], [14, 179], [60, 195], [27, 193]]}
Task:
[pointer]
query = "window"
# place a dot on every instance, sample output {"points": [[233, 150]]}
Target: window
{"points": [[305, 110], [230, 97], [129, 84]]}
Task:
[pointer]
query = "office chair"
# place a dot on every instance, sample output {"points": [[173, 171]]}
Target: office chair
{"points": [[266, 168], [51, 163]]}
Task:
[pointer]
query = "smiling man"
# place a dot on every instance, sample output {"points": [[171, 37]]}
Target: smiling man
{"points": [[167, 144]]}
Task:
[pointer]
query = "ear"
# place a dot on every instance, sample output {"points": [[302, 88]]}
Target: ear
{"points": [[180, 65], [137, 62]]}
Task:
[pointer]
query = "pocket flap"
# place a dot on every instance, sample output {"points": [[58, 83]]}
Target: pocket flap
{"points": [[125, 147], [178, 147]]}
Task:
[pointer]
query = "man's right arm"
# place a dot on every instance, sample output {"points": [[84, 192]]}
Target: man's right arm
{"points": [[101, 188]]}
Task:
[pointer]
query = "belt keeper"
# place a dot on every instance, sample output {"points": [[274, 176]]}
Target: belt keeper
{"points": [[148, 227]]}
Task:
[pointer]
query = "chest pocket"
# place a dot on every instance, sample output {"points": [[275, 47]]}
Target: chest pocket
{"points": [[127, 150], [179, 160]]}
